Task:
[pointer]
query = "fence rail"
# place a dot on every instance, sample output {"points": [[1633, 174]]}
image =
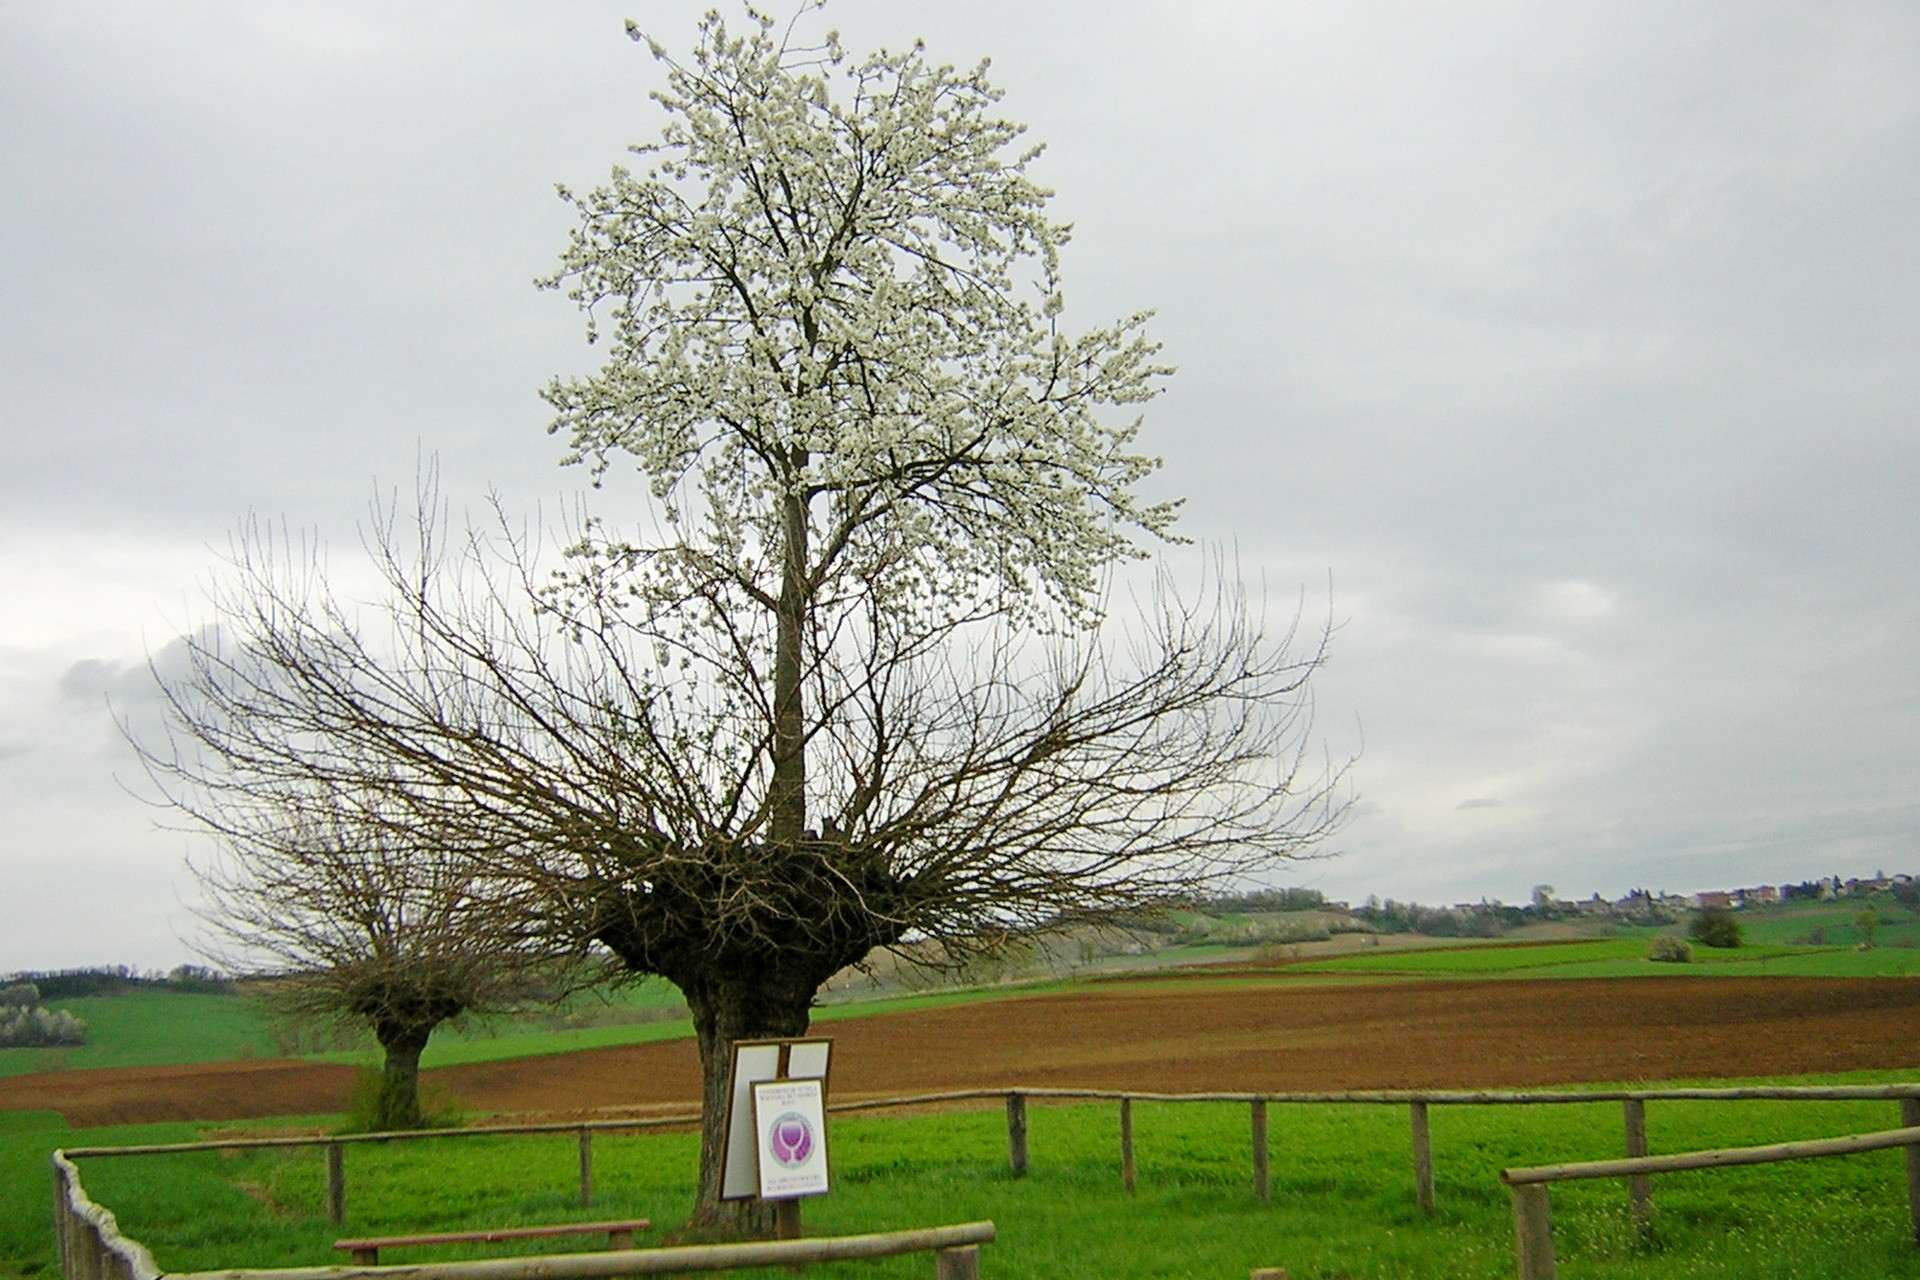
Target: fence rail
{"points": [[88, 1237], [1417, 1101], [956, 1251], [1532, 1215]]}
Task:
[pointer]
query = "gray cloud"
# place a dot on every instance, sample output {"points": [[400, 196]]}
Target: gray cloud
{"points": [[1575, 341]]}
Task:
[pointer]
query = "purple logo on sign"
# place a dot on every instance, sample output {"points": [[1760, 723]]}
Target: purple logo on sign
{"points": [[790, 1138]]}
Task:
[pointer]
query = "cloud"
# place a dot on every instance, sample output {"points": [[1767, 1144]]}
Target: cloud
{"points": [[1574, 342]]}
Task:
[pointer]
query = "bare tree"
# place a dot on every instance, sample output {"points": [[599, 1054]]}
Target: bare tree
{"points": [[540, 778], [857, 687], [320, 888], [350, 923]]}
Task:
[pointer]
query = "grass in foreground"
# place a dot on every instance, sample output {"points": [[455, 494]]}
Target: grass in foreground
{"points": [[1342, 1204]]}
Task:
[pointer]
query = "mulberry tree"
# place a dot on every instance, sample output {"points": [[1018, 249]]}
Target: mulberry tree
{"points": [[888, 484], [847, 680]]}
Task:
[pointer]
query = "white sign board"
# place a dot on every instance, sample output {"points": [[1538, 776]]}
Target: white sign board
{"points": [[755, 1061], [790, 1120]]}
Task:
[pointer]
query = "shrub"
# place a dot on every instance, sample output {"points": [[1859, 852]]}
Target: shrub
{"points": [[19, 995], [1715, 927], [1668, 949], [23, 1028]]}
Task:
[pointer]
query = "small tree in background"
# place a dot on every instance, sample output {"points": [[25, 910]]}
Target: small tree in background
{"points": [[25, 1025], [1667, 949], [354, 924], [1867, 921], [1715, 927]]}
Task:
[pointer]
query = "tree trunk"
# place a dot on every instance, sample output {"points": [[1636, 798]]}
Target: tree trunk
{"points": [[787, 798], [398, 1105], [763, 1004]]}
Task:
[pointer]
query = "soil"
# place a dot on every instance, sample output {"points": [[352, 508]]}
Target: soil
{"points": [[1176, 1034]]}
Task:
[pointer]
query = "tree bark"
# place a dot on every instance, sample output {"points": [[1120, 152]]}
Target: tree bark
{"points": [[726, 1007], [787, 801], [398, 1106]]}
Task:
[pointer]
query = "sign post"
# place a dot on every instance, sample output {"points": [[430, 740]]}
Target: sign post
{"points": [[776, 1126]]}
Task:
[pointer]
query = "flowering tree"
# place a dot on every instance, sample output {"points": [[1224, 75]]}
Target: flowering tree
{"points": [[854, 686], [887, 493]]}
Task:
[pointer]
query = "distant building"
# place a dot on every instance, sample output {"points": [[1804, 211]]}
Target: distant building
{"points": [[1713, 898]]}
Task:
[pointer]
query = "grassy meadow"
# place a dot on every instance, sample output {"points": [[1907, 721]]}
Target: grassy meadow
{"points": [[1618, 958], [1341, 1209], [158, 1028], [150, 1029]]}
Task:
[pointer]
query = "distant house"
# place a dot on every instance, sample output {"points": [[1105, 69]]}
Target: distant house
{"points": [[1713, 898]]}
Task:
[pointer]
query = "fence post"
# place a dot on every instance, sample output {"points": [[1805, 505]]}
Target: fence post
{"points": [[336, 1183], [1640, 1185], [62, 1220], [1127, 1180], [1909, 1117], [586, 1166], [1422, 1158], [1262, 1186], [1017, 1134], [1533, 1231], [962, 1263]]}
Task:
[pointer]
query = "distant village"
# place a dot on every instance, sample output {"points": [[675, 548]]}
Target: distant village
{"points": [[1640, 901], [1491, 917]]}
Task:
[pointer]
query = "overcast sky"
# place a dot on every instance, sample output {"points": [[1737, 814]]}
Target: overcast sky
{"points": [[1576, 344]]}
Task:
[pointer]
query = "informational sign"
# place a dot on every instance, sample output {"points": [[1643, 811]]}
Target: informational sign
{"points": [[790, 1119], [755, 1061]]}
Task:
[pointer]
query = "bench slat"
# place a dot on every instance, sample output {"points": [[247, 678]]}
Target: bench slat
{"points": [[619, 1235]]}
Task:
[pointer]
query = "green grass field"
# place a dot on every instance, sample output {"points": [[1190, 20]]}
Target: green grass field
{"points": [[150, 1028], [1619, 958], [1341, 1210]]}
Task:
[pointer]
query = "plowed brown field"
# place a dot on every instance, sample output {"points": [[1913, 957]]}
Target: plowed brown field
{"points": [[1244, 1034]]}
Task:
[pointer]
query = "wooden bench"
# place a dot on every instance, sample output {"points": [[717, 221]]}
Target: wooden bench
{"points": [[619, 1236]]}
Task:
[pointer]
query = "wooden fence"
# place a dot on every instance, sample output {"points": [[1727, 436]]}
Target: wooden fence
{"points": [[92, 1248], [89, 1240], [1633, 1103], [1532, 1216]]}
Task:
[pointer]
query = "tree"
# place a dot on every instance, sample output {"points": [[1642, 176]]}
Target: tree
{"points": [[1866, 921], [341, 911], [837, 355], [857, 688], [348, 920], [1715, 927]]}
